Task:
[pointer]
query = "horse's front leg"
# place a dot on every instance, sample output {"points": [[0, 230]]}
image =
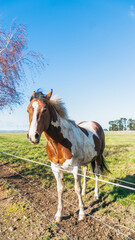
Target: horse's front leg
{"points": [[59, 178], [78, 192]]}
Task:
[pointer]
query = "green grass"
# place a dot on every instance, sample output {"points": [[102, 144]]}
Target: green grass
{"points": [[120, 158], [17, 144], [119, 154]]}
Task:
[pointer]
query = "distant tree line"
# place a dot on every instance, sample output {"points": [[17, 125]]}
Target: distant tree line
{"points": [[122, 124]]}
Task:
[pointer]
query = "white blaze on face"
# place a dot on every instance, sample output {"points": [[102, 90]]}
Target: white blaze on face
{"points": [[33, 126]]}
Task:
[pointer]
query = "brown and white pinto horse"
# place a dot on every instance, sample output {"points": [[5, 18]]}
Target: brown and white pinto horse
{"points": [[68, 145]]}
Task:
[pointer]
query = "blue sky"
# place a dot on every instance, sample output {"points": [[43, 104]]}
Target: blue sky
{"points": [[90, 47]]}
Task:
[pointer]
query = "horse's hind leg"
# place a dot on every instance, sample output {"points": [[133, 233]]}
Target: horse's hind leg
{"points": [[59, 178], [78, 192], [84, 181], [96, 196]]}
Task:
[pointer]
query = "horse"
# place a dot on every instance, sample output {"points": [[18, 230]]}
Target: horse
{"points": [[69, 146]]}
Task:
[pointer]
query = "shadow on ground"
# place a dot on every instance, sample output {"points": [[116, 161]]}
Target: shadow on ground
{"points": [[117, 193]]}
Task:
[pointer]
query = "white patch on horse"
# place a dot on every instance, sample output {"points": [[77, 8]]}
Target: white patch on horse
{"points": [[83, 147], [89, 146], [33, 126], [68, 164], [88, 126]]}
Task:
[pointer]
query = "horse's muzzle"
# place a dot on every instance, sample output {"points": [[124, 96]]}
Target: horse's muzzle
{"points": [[28, 135], [36, 138]]}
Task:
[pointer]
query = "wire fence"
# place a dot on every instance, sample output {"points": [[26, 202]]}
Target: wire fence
{"points": [[64, 170], [40, 212], [107, 225], [100, 175], [126, 187]]}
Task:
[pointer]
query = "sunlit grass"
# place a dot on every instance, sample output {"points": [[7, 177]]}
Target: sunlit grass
{"points": [[119, 154]]}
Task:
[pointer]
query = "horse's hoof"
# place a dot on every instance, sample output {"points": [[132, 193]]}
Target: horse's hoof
{"points": [[57, 219], [83, 194], [96, 197], [81, 217]]}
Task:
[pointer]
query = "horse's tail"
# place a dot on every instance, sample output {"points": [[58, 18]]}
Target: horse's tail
{"points": [[93, 166], [103, 166]]}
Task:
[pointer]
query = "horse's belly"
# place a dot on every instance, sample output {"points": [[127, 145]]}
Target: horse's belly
{"points": [[89, 154], [89, 151]]}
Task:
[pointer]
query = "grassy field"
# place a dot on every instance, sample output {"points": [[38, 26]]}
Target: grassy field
{"points": [[116, 204]]}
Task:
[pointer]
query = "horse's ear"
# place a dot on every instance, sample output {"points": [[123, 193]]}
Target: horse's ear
{"points": [[48, 96], [33, 94]]}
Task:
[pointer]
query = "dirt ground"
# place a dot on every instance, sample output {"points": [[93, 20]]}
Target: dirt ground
{"points": [[20, 220]]}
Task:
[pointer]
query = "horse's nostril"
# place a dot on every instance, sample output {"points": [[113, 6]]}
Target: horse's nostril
{"points": [[37, 136]]}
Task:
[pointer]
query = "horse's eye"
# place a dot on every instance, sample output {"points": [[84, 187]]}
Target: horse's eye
{"points": [[44, 110]]}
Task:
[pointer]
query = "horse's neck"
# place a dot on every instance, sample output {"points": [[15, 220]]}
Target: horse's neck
{"points": [[59, 129], [58, 144]]}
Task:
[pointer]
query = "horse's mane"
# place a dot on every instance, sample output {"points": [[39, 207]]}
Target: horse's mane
{"points": [[55, 101], [58, 105], [38, 95]]}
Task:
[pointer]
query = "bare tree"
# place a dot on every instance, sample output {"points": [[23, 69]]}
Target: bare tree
{"points": [[14, 55]]}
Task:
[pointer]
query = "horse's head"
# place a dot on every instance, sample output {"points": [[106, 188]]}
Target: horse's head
{"points": [[39, 115]]}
